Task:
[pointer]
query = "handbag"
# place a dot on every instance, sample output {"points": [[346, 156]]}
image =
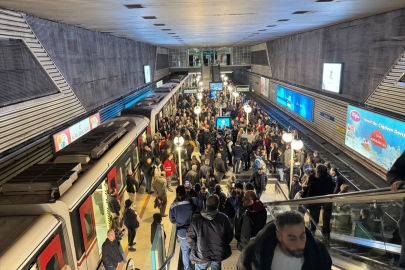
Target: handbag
{"points": [[157, 204]]}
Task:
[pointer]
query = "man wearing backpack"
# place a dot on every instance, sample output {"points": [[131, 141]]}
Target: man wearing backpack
{"points": [[247, 149], [258, 162], [259, 180]]}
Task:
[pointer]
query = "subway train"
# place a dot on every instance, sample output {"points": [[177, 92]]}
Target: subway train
{"points": [[56, 213]]}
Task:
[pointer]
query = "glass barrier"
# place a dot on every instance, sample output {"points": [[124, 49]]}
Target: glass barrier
{"points": [[358, 225], [158, 250]]}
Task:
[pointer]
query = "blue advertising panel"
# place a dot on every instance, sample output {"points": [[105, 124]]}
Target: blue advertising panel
{"points": [[221, 121], [216, 86], [298, 103], [213, 94], [378, 138]]}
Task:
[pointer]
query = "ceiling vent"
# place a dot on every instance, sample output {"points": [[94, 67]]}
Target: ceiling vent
{"points": [[134, 6], [300, 12], [149, 17], [283, 20], [159, 24]]}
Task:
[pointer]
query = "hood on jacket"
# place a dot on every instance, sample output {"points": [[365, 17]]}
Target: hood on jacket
{"points": [[209, 214], [256, 207]]}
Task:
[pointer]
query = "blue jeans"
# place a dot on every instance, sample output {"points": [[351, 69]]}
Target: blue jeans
{"points": [[109, 268], [185, 252], [259, 193], [204, 266], [236, 163], [123, 254], [148, 183], [281, 172]]}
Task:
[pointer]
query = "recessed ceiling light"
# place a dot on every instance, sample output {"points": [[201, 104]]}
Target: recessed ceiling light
{"points": [[262, 30], [159, 24], [134, 6], [300, 12], [283, 20], [324, 1], [166, 29]]}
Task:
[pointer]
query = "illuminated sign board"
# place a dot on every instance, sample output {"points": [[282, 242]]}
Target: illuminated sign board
{"points": [[216, 86], [146, 70], [332, 76], [190, 91], [223, 121], [242, 88], [379, 138], [159, 83], [69, 135], [298, 103], [264, 86]]}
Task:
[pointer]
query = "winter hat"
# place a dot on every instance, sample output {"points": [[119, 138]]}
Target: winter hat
{"points": [[239, 185], [128, 203]]}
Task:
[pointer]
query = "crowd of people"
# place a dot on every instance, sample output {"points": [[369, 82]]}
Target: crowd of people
{"points": [[202, 210]]}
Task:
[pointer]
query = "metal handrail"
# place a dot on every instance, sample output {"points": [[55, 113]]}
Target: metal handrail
{"points": [[172, 247], [277, 186], [359, 196], [388, 215]]}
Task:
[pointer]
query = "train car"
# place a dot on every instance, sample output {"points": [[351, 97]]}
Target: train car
{"points": [[74, 189], [32, 243], [155, 106]]}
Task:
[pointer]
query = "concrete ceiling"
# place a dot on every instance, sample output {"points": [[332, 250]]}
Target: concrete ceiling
{"points": [[198, 23]]}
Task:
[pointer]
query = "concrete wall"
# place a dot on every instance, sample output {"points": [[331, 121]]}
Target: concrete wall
{"points": [[99, 67], [367, 47]]}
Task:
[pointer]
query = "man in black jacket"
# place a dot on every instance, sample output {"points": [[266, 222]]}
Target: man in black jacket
{"points": [[237, 153], [319, 184], [252, 221], [259, 181], [222, 198], [203, 237], [111, 255], [219, 168], [206, 168], [132, 186], [285, 244], [396, 178], [113, 204], [148, 170]]}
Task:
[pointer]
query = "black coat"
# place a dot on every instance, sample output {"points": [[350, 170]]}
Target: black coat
{"points": [[130, 219], [219, 165], [222, 201], [111, 255], [318, 187], [113, 205], [148, 169], [259, 254], [131, 182], [193, 177], [209, 236], [251, 222], [259, 181], [237, 151], [339, 181], [397, 171], [203, 171]]}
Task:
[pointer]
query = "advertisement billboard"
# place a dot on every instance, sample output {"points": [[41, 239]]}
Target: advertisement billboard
{"points": [[146, 70], [216, 86], [298, 103], [332, 76], [242, 88], [213, 94], [379, 138], [69, 135], [223, 121], [264, 86]]}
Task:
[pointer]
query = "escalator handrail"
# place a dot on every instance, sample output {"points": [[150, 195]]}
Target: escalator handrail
{"points": [[388, 215], [172, 247], [278, 186], [359, 196]]}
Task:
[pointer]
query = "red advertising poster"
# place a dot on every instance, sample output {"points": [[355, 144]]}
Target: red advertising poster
{"points": [[69, 135]]}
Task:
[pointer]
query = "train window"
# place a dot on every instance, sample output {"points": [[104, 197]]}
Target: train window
{"points": [[51, 258], [120, 177], [135, 157], [87, 223]]}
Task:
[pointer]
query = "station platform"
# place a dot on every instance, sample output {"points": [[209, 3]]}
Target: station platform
{"points": [[145, 209]]}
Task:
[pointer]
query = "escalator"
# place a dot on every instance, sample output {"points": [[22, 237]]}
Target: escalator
{"points": [[364, 232]]}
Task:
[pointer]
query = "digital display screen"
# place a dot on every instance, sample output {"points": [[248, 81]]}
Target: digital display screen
{"points": [[379, 138], [71, 134], [146, 70], [332, 74], [298, 103], [221, 121], [216, 86], [213, 94], [242, 88]]}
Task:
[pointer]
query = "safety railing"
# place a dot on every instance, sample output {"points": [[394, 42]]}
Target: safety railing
{"points": [[160, 258], [362, 225]]}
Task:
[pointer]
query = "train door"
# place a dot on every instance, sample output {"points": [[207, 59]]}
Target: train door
{"points": [[100, 210], [51, 257], [89, 234]]}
